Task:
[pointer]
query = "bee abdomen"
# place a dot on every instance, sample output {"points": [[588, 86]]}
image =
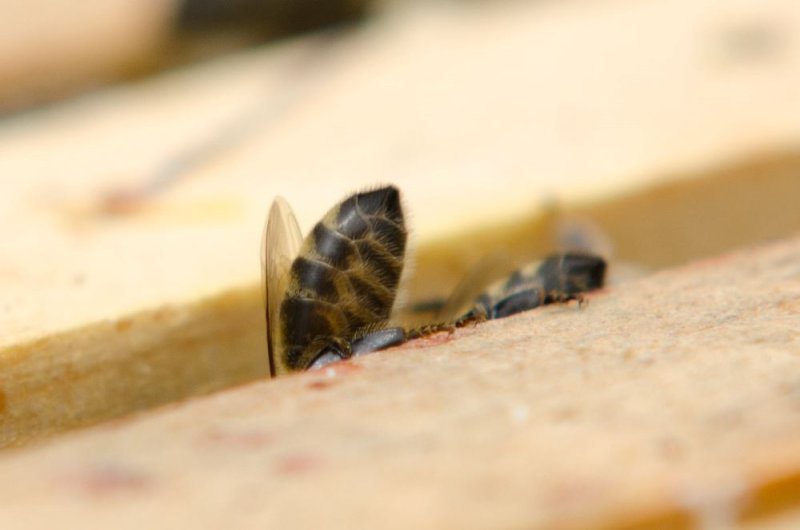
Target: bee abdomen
{"points": [[379, 256], [556, 279], [315, 279], [370, 297], [354, 215], [320, 319], [334, 247], [346, 276], [517, 302], [365, 238], [572, 273], [509, 302]]}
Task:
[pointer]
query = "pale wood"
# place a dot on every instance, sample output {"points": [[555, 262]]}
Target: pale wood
{"points": [[670, 402], [489, 119], [50, 49]]}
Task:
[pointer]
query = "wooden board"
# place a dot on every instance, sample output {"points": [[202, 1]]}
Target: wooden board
{"points": [[670, 402], [50, 49], [131, 220]]}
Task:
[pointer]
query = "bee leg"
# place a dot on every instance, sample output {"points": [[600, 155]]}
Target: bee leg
{"points": [[334, 350], [430, 329], [474, 316], [378, 340], [566, 275], [582, 300], [325, 358], [561, 297]]}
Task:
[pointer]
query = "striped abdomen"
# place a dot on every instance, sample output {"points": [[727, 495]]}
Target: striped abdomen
{"points": [[558, 278], [345, 278]]}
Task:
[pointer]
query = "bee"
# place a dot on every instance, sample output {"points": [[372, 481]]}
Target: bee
{"points": [[330, 296], [556, 279]]}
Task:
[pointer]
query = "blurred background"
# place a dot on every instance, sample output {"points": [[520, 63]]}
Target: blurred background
{"points": [[52, 50], [517, 112], [669, 126]]}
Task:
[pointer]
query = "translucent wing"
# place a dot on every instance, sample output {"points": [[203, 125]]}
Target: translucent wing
{"points": [[479, 277], [575, 234], [279, 247]]}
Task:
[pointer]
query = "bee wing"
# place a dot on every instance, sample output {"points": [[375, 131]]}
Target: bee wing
{"points": [[576, 234], [474, 283], [279, 247]]}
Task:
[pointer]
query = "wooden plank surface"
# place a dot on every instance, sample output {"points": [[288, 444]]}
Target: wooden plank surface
{"points": [[671, 402], [132, 219], [50, 49]]}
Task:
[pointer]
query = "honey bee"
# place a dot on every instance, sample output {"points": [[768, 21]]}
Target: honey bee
{"points": [[330, 296], [557, 278]]}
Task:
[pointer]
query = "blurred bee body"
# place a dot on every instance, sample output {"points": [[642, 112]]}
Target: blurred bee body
{"points": [[334, 297], [558, 278]]}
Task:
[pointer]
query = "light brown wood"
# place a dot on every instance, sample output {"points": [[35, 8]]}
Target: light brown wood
{"points": [[670, 402], [50, 49], [493, 120]]}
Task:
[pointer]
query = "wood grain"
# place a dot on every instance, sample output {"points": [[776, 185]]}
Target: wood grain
{"points": [[671, 402]]}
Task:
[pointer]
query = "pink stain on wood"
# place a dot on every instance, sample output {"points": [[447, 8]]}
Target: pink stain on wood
{"points": [[297, 464], [100, 480], [320, 384], [326, 377], [343, 368]]}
